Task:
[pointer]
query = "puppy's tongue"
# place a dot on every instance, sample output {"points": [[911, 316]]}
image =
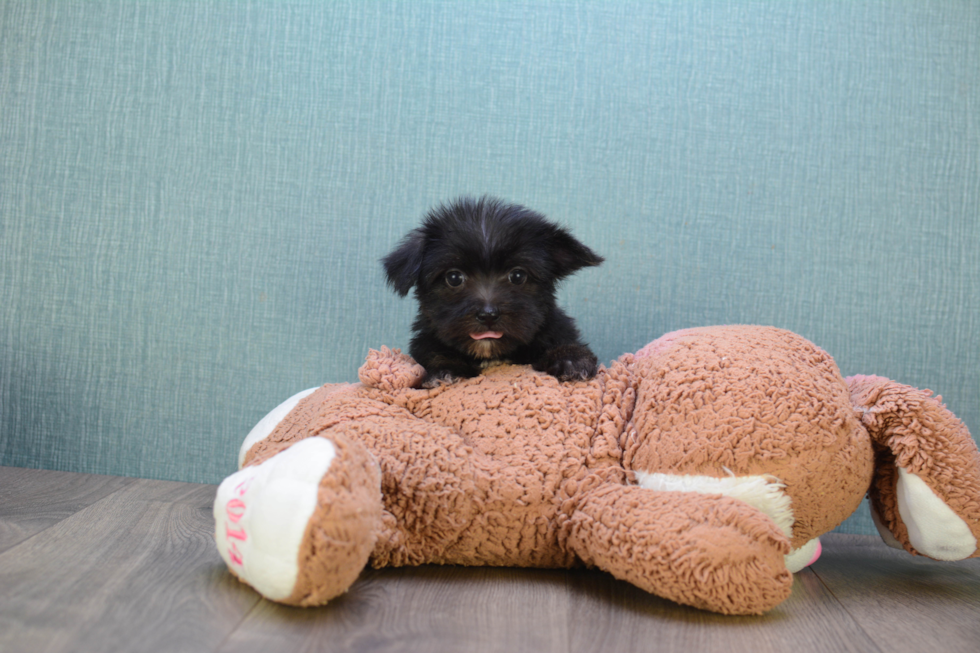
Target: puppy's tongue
{"points": [[486, 334]]}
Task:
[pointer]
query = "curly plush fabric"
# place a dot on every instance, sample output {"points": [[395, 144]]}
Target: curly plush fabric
{"points": [[513, 468], [696, 468]]}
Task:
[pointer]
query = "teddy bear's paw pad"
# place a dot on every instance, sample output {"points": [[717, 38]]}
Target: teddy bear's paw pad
{"points": [[389, 369], [267, 424], [803, 557], [934, 529], [261, 514]]}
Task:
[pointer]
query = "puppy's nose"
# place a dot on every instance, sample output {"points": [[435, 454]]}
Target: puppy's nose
{"points": [[487, 314]]}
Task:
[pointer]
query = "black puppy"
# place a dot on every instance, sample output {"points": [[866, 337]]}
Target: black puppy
{"points": [[485, 275]]}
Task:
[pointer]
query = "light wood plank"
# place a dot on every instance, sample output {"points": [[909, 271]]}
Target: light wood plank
{"points": [[135, 571], [427, 609], [904, 602], [616, 616], [34, 499], [511, 610]]}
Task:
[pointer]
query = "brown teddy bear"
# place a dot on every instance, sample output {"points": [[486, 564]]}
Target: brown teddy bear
{"points": [[702, 468]]}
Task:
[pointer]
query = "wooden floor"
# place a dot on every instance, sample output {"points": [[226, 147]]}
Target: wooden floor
{"points": [[99, 563]]}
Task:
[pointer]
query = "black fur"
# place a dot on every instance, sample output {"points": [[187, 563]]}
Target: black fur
{"points": [[486, 267]]}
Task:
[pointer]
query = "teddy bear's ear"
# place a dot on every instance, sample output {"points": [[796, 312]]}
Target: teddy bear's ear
{"points": [[390, 370], [404, 265], [925, 494]]}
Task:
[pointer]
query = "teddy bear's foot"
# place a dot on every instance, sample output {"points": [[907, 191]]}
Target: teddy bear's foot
{"points": [[803, 557], [764, 493], [299, 527], [711, 552]]}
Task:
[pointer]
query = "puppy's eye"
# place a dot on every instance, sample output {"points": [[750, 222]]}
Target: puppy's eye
{"points": [[517, 276], [455, 278]]}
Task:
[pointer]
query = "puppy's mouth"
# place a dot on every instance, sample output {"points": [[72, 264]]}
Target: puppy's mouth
{"points": [[487, 345], [487, 335]]}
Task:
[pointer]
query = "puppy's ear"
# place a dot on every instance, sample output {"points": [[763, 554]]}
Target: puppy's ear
{"points": [[404, 264], [569, 255]]}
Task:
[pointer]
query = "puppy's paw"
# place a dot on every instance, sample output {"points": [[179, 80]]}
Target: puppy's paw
{"points": [[445, 370], [569, 363], [439, 378], [569, 369]]}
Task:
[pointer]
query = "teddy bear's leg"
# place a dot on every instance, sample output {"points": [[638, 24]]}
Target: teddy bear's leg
{"points": [[434, 486], [925, 495], [709, 551], [299, 526], [267, 424], [290, 421]]}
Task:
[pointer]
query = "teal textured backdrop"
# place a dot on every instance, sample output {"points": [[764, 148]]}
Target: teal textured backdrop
{"points": [[194, 195]]}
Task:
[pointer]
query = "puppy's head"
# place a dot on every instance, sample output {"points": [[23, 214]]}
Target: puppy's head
{"points": [[485, 273]]}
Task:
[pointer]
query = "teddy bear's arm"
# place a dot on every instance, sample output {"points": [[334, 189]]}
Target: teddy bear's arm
{"points": [[709, 551], [925, 494]]}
